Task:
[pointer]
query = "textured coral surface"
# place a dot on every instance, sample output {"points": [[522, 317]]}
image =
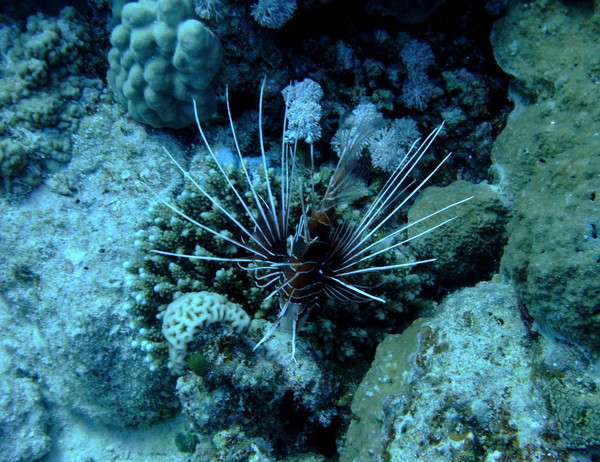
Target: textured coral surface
{"points": [[547, 160]]}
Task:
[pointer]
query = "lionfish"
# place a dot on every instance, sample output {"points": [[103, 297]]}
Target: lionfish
{"points": [[316, 257]]}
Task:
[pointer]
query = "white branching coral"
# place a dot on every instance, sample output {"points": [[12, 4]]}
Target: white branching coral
{"points": [[303, 111], [390, 145], [417, 90], [365, 114], [273, 13]]}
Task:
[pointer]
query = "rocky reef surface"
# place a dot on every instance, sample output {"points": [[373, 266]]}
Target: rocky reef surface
{"points": [[489, 353]]}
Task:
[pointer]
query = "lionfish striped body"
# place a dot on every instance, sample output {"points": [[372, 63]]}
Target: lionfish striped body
{"points": [[321, 257]]}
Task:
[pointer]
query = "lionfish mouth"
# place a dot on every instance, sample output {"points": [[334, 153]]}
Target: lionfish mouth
{"points": [[315, 257]]}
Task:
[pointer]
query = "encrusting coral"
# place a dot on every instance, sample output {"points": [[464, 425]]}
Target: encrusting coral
{"points": [[44, 91], [548, 159]]}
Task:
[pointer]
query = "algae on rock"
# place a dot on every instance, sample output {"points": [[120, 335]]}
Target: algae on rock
{"points": [[468, 249], [457, 386], [547, 161]]}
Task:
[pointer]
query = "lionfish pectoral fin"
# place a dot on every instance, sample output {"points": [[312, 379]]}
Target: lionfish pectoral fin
{"points": [[282, 318], [347, 182], [268, 335], [292, 320], [294, 330]]}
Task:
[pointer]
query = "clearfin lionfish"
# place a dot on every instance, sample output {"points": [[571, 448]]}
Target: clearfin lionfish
{"points": [[315, 257]]}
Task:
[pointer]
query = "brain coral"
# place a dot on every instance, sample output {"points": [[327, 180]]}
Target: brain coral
{"points": [[162, 59], [193, 311]]}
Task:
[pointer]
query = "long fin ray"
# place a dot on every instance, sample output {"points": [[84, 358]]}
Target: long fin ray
{"points": [[241, 201], [204, 227]]}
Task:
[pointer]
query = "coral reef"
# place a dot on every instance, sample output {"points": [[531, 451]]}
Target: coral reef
{"points": [[188, 314], [45, 89], [225, 388], [360, 60], [547, 161], [156, 280], [485, 373], [233, 389]]}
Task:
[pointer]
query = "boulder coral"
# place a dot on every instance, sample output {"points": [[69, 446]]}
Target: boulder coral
{"points": [[162, 58], [547, 162]]}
